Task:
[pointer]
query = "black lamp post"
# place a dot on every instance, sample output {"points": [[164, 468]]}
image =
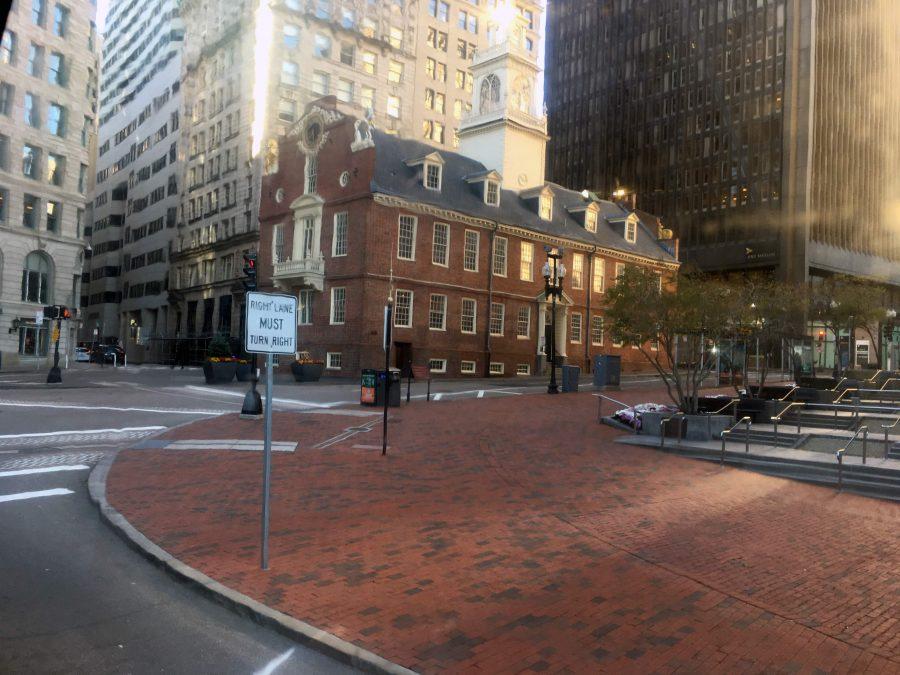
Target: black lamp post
{"points": [[554, 272]]}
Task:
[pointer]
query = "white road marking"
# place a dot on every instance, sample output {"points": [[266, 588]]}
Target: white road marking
{"points": [[81, 432], [49, 469], [480, 393], [437, 397], [369, 447], [33, 495], [64, 406], [289, 401], [275, 663], [230, 444]]}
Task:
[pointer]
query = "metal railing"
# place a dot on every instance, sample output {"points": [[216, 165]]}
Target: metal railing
{"points": [[732, 402], [600, 398], [662, 429], [865, 441], [777, 418], [888, 381], [840, 382], [790, 392], [844, 393], [839, 454], [748, 422], [887, 429]]}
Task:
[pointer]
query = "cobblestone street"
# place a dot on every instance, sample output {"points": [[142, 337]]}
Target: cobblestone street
{"points": [[513, 534]]}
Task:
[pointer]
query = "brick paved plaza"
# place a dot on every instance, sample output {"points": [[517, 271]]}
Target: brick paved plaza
{"points": [[512, 534]]}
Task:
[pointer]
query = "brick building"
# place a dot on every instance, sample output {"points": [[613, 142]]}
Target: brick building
{"points": [[378, 215]]}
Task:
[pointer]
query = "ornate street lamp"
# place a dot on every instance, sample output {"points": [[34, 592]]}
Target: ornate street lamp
{"points": [[554, 272]]}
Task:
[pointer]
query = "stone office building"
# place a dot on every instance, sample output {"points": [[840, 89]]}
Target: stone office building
{"points": [[48, 100]]}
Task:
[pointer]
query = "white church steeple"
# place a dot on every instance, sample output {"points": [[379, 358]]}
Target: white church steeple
{"points": [[506, 129]]}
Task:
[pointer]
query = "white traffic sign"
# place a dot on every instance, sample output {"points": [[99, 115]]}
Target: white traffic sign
{"points": [[271, 324]]}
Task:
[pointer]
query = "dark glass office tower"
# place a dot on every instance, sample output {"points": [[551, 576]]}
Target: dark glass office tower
{"points": [[766, 132]]}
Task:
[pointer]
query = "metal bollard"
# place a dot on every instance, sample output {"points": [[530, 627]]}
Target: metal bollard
{"points": [[865, 443], [722, 457], [886, 443], [747, 436], [775, 420]]}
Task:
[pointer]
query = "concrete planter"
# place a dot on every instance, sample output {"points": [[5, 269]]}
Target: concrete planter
{"points": [[307, 372], [698, 427], [219, 373], [243, 372]]}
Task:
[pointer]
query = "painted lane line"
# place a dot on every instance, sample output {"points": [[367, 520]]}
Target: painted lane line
{"points": [[480, 393], [81, 432], [289, 401], [275, 663], [438, 397], [32, 495], [49, 469], [66, 406]]}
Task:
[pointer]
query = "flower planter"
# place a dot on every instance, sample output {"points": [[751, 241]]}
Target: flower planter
{"points": [[244, 372], [307, 372], [219, 373]]}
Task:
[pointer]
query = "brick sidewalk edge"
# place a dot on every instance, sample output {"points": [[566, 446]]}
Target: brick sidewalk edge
{"points": [[300, 631]]}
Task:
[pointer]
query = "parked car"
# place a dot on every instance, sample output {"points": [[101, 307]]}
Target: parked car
{"points": [[82, 354], [108, 354]]}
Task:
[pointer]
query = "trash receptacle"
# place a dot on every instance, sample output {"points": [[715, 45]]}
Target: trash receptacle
{"points": [[570, 378], [394, 392], [607, 370], [367, 386]]}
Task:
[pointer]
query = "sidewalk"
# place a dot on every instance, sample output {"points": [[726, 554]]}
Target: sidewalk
{"points": [[513, 534]]}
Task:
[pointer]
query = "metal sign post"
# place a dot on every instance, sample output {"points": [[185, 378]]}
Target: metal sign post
{"points": [[271, 328], [388, 311]]}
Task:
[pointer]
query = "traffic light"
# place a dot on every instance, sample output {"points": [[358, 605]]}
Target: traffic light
{"points": [[250, 270], [57, 312]]}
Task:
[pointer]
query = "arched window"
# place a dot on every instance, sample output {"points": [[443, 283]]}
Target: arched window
{"points": [[490, 94], [37, 279]]}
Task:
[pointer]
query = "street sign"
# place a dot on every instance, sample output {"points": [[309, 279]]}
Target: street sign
{"points": [[271, 324]]}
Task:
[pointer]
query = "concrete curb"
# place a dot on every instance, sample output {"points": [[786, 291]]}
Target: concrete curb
{"points": [[300, 631]]}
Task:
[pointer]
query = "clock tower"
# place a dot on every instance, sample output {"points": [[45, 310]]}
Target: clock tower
{"points": [[506, 129]]}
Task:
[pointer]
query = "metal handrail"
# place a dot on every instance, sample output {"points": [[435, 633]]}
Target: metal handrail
{"points": [[733, 401], [744, 420], [662, 428], [875, 376], [865, 432], [844, 393], [888, 381], [887, 428], [840, 382], [791, 391], [777, 418]]}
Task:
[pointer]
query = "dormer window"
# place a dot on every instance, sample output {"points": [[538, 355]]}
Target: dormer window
{"points": [[545, 207], [630, 231], [432, 176], [590, 221], [492, 193]]}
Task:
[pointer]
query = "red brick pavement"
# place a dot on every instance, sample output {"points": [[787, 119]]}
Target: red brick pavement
{"points": [[512, 534]]}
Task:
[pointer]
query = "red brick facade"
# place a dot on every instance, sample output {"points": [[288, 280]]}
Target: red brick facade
{"points": [[372, 263]]}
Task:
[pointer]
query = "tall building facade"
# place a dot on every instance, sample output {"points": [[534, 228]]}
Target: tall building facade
{"points": [[48, 102], [402, 65], [764, 131], [137, 188]]}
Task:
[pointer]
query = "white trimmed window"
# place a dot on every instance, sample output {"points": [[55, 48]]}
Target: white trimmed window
{"points": [[576, 326], [498, 312], [406, 238], [432, 176], [278, 244], [577, 270], [497, 368], [467, 367], [437, 365], [470, 255], [312, 171], [630, 231], [499, 268], [339, 240], [545, 207], [526, 261], [304, 310], [440, 246], [334, 360], [620, 271], [597, 330], [523, 369], [590, 220], [599, 275], [492, 193], [338, 305], [437, 312], [467, 316], [403, 309], [659, 283], [523, 323]]}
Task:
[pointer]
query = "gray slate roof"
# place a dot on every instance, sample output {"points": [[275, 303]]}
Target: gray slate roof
{"points": [[393, 177]]}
